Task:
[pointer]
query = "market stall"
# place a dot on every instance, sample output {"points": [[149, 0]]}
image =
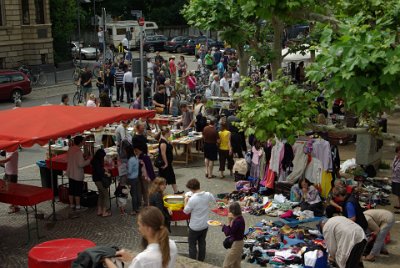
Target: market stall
{"points": [[9, 146], [44, 124]]}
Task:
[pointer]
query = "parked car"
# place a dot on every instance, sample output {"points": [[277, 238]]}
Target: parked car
{"points": [[190, 44], [175, 44], [87, 53], [13, 85], [153, 43]]}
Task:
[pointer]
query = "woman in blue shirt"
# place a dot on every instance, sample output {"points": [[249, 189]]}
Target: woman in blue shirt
{"points": [[133, 181]]}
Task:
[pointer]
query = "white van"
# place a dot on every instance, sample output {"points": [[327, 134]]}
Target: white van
{"points": [[116, 31]]}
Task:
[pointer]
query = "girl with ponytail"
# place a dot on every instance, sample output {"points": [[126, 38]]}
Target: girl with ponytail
{"points": [[160, 251]]}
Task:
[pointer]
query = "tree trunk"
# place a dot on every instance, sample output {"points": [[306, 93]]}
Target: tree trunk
{"points": [[243, 61], [312, 54], [276, 63]]}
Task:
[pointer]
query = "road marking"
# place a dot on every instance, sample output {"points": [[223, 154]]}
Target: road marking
{"points": [[22, 168]]}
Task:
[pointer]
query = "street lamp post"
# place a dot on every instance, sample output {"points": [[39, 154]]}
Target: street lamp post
{"points": [[79, 31]]}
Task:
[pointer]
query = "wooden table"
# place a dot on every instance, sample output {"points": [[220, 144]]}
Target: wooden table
{"points": [[187, 141]]}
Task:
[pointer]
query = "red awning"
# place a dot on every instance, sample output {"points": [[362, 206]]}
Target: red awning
{"points": [[9, 146], [42, 123]]}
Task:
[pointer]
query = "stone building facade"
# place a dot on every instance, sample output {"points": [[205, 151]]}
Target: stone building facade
{"points": [[25, 33]]}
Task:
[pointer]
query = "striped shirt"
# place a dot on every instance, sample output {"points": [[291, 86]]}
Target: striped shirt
{"points": [[119, 77]]}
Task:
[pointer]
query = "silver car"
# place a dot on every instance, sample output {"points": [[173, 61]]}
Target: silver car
{"points": [[87, 53]]}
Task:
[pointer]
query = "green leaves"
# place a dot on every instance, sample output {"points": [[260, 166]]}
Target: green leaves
{"points": [[283, 110], [360, 61]]}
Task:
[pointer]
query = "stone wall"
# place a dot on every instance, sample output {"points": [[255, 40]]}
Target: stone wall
{"points": [[31, 44]]}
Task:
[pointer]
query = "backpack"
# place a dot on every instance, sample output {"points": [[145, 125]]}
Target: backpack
{"points": [[201, 121]]}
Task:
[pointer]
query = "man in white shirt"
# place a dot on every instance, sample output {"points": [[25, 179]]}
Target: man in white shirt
{"points": [[75, 173], [11, 172], [345, 241], [224, 84], [125, 43], [215, 87], [198, 206], [235, 78], [100, 35], [128, 81]]}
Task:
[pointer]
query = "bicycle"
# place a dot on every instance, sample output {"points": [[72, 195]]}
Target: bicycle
{"points": [[36, 75], [77, 71], [78, 96]]}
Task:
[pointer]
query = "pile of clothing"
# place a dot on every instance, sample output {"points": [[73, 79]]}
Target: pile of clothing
{"points": [[280, 245]]}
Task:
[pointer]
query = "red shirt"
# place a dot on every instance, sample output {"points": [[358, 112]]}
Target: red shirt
{"points": [[172, 67]]}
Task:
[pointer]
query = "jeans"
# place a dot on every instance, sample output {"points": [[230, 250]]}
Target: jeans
{"points": [[129, 92], [194, 238], [380, 238], [135, 193], [120, 95]]}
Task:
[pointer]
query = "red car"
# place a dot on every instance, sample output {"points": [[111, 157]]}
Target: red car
{"points": [[13, 85]]}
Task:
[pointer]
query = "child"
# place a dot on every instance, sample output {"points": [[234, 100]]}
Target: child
{"points": [[257, 152], [122, 197], [133, 179], [156, 194]]}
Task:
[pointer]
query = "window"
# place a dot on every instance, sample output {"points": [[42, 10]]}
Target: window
{"points": [[4, 79], [17, 77], [39, 8], [121, 31], [2, 14], [25, 12]]}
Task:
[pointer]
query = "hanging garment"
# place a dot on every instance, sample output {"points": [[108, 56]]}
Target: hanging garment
{"points": [[274, 163], [322, 151], [326, 183], [263, 165], [313, 172], [288, 156], [299, 163], [270, 180], [335, 162]]}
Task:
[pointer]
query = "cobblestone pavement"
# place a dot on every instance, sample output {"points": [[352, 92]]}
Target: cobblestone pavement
{"points": [[120, 230]]}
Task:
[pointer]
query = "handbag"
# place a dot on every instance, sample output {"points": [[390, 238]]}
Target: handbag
{"points": [[227, 242], [159, 162], [106, 181], [159, 110]]}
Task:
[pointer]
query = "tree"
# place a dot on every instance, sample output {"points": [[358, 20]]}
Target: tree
{"points": [[237, 28], [283, 110], [242, 22], [62, 27], [360, 60]]}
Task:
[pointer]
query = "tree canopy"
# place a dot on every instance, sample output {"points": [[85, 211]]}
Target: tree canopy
{"points": [[359, 57], [360, 60]]}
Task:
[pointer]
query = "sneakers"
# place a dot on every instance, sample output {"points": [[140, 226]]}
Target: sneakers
{"points": [[80, 208]]}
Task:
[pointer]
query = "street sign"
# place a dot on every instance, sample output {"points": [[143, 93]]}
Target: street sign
{"points": [[141, 21]]}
